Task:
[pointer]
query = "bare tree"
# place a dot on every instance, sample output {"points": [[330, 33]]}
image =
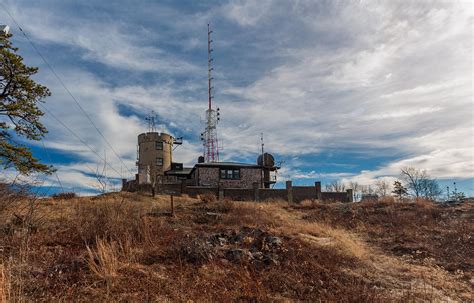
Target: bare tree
{"points": [[101, 176], [420, 184], [414, 179], [367, 190], [431, 189], [336, 186], [382, 188]]}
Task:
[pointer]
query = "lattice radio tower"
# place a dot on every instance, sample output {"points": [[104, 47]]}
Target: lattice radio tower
{"points": [[209, 136], [151, 119]]}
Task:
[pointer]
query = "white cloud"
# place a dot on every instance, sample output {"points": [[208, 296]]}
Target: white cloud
{"points": [[115, 44], [246, 12], [353, 76]]}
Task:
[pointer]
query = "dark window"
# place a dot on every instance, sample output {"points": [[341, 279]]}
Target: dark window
{"points": [[230, 174], [159, 161], [236, 174], [159, 145]]}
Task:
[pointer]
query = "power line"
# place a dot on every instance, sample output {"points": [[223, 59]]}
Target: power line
{"points": [[55, 172], [78, 138], [67, 90]]}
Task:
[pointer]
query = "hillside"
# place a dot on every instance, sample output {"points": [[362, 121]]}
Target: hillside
{"points": [[125, 247]]}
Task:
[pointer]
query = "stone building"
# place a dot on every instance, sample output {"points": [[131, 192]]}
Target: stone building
{"points": [[230, 175], [238, 181], [156, 167]]}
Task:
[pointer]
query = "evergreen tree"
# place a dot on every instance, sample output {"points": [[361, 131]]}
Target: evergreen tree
{"points": [[399, 190], [19, 112]]}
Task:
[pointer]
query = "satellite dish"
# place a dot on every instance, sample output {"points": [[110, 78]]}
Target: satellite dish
{"points": [[200, 159], [266, 160]]}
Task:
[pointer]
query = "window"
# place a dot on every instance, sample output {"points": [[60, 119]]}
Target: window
{"points": [[159, 145], [159, 161], [230, 174]]}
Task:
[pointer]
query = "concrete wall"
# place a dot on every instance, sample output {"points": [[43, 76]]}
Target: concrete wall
{"points": [[239, 194], [335, 196], [194, 191], [272, 194], [301, 193]]}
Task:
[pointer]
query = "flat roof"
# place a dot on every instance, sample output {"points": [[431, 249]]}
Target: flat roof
{"points": [[233, 164], [180, 172], [188, 170]]}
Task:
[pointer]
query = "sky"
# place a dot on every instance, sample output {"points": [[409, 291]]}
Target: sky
{"points": [[341, 90]]}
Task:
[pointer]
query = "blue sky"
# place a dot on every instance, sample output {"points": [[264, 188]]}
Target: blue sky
{"points": [[349, 90]]}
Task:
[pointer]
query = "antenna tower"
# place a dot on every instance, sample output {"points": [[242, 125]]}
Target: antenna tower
{"points": [[209, 136], [152, 118]]}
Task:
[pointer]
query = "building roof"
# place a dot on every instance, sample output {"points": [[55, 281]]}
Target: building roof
{"points": [[180, 172], [188, 170], [227, 164]]}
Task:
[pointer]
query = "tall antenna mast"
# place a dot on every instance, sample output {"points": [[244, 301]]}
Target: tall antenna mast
{"points": [[209, 65], [209, 136]]}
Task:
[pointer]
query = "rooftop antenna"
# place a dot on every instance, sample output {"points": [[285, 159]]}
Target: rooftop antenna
{"points": [[263, 157], [209, 136], [152, 118]]}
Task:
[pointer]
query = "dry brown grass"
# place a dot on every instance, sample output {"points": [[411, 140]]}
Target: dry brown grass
{"points": [[5, 284], [125, 247], [103, 259], [207, 198]]}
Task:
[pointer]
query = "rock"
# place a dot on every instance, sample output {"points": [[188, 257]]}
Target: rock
{"points": [[212, 215], [198, 251], [274, 242], [258, 255], [238, 255]]}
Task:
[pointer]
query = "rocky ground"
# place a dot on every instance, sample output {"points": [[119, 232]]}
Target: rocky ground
{"points": [[126, 247]]}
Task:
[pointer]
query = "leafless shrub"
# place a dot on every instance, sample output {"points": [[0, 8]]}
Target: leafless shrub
{"points": [[386, 200], [207, 198], [109, 220]]}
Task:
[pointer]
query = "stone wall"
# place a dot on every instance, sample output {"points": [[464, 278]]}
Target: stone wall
{"points": [[207, 176], [210, 176]]}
